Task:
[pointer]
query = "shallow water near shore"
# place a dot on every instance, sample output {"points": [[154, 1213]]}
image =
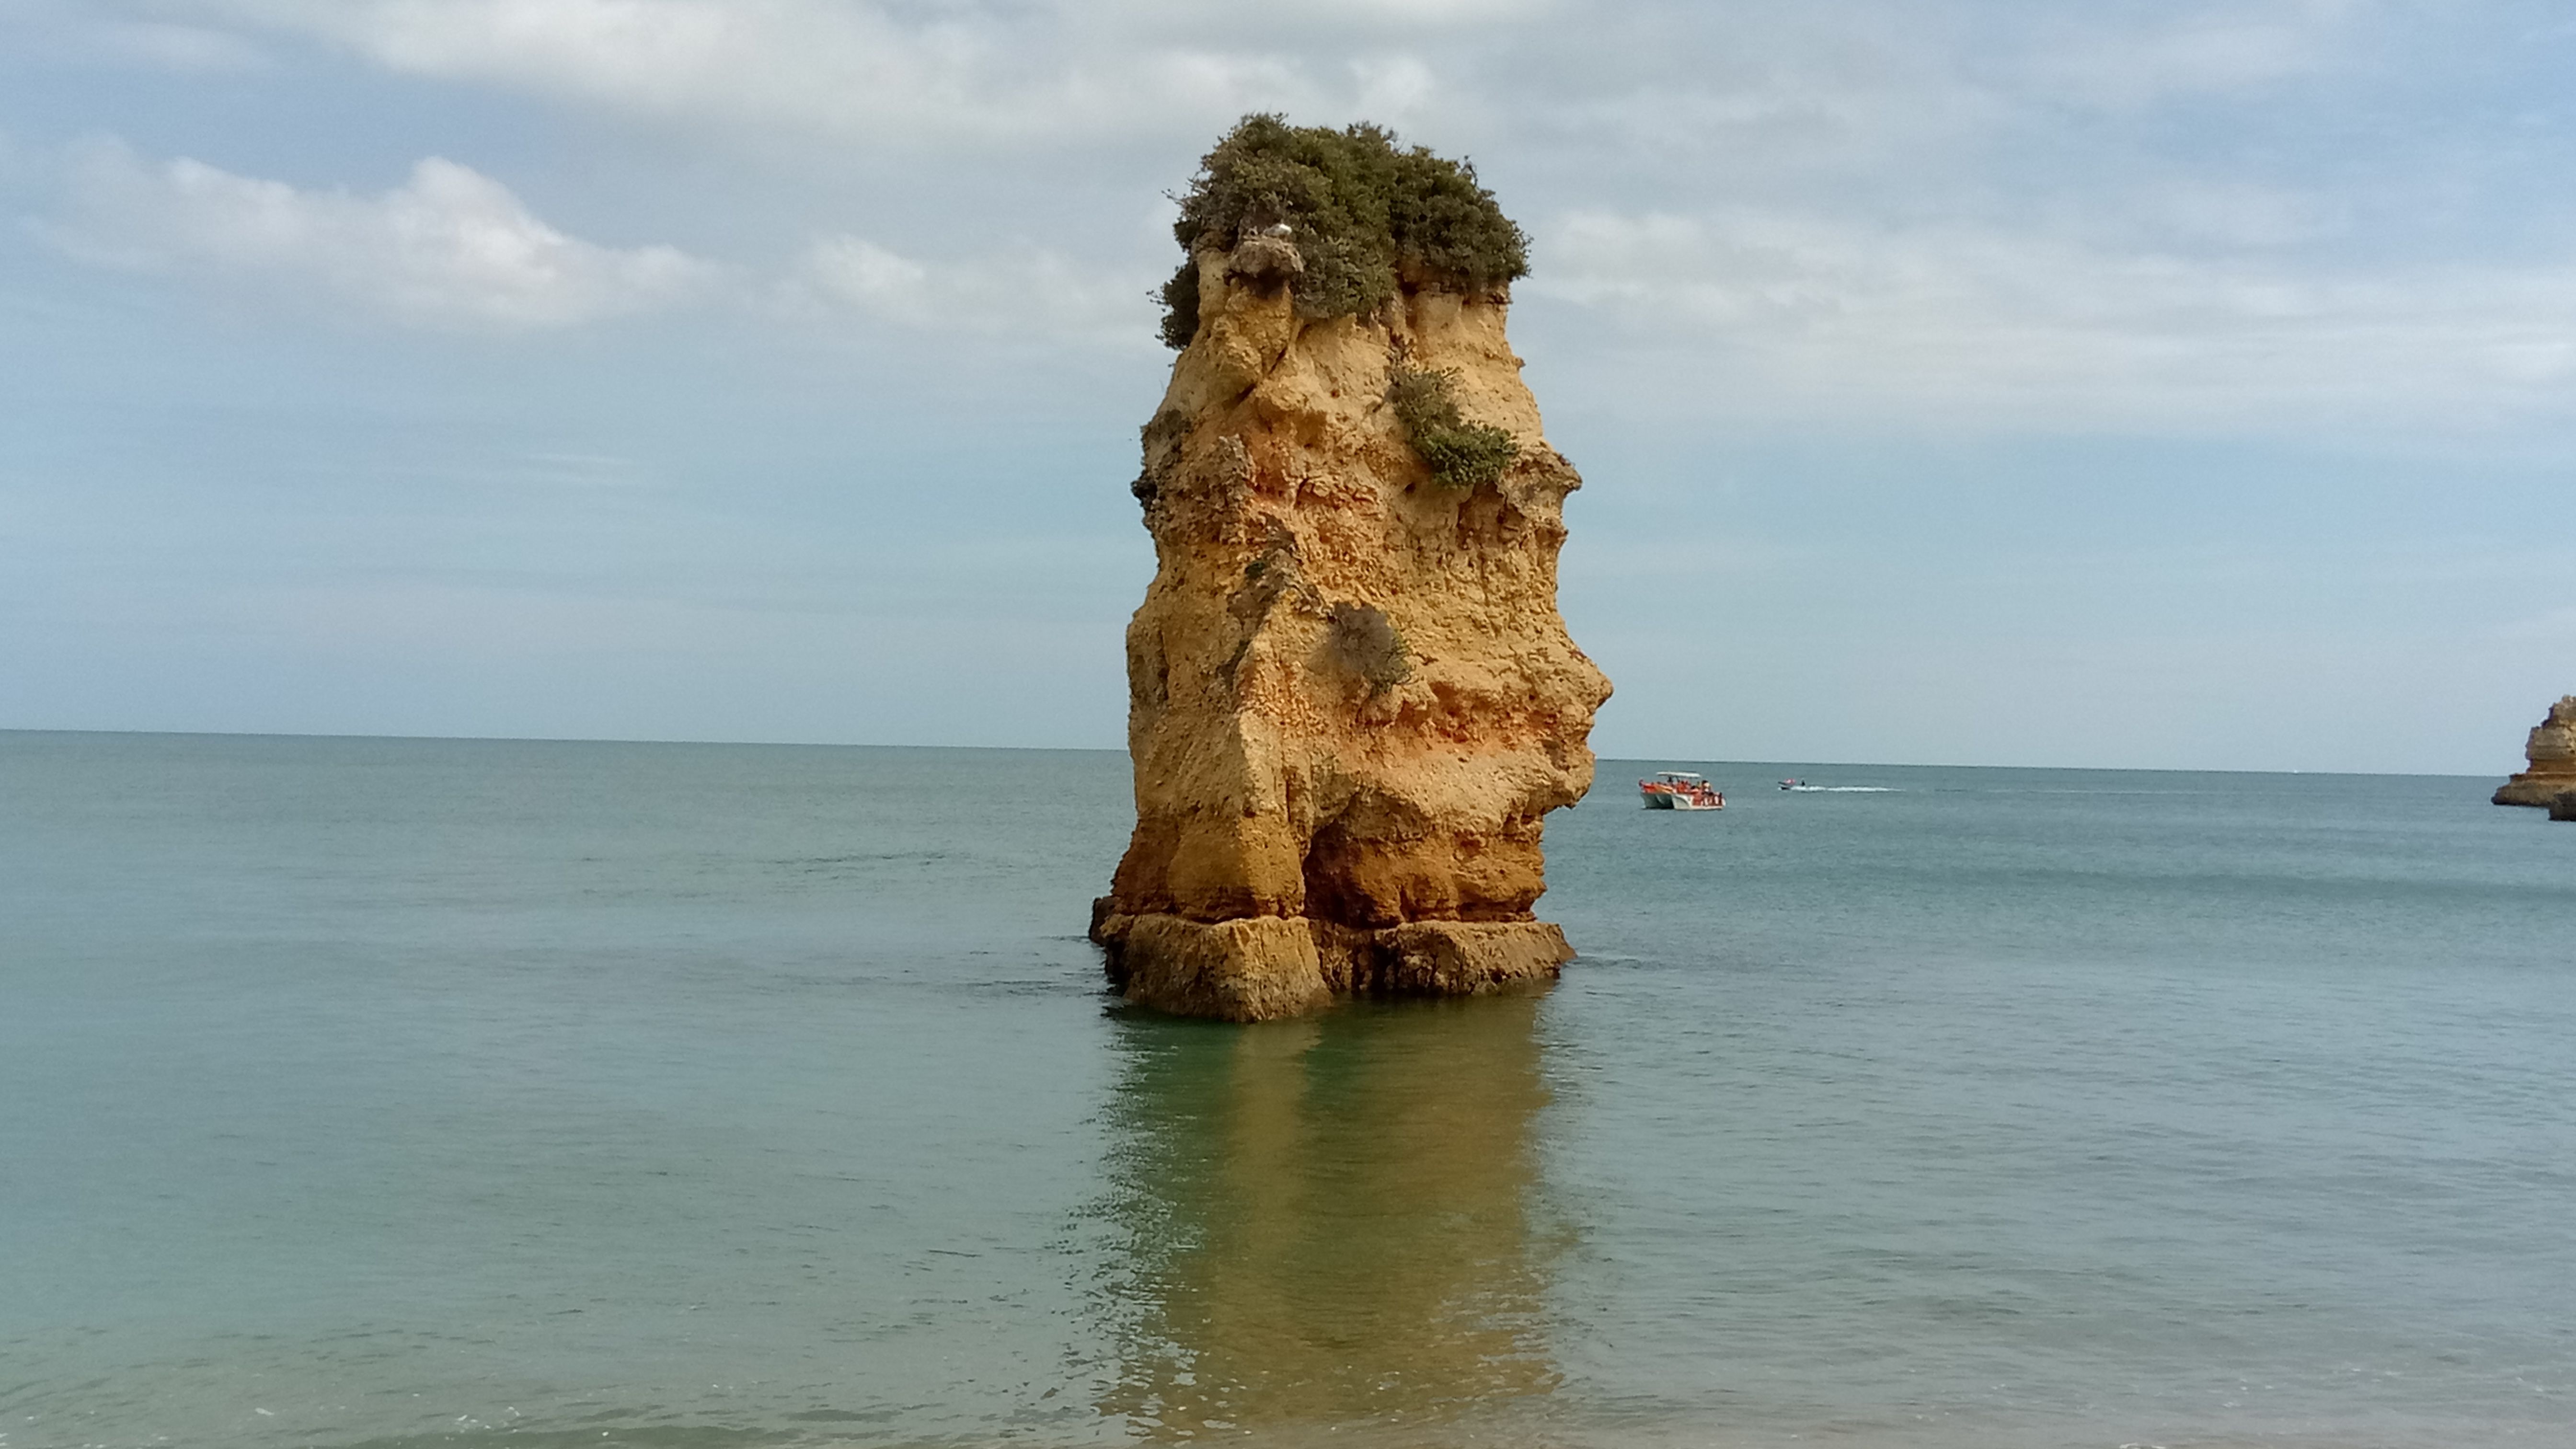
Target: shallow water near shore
{"points": [[408, 1092]]}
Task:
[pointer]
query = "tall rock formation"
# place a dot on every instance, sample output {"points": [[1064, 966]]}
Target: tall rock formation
{"points": [[2552, 756], [1351, 698]]}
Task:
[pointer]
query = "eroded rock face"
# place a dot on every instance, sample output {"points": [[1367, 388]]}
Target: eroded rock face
{"points": [[2552, 754], [1352, 700]]}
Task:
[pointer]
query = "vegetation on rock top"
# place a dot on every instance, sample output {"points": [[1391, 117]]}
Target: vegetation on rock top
{"points": [[1360, 209]]}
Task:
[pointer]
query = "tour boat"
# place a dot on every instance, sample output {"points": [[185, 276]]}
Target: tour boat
{"points": [[1674, 790]]}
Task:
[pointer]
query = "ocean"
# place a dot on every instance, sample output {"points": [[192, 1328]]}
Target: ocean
{"points": [[449, 1093]]}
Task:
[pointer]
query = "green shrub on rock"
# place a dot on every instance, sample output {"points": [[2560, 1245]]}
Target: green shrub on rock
{"points": [[1181, 306], [1359, 209], [1459, 453]]}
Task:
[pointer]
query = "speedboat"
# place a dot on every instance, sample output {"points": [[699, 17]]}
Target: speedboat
{"points": [[1677, 790]]}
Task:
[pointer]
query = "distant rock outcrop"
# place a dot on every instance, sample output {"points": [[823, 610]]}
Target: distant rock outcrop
{"points": [[1352, 700], [2552, 756]]}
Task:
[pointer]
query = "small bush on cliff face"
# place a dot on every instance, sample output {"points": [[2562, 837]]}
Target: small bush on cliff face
{"points": [[1367, 643], [1460, 454], [1356, 207], [1166, 429], [1180, 298]]}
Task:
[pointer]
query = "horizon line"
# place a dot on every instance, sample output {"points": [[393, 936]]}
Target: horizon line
{"points": [[1121, 750]]}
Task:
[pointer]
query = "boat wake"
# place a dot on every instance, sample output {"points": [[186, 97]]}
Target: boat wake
{"points": [[1842, 789]]}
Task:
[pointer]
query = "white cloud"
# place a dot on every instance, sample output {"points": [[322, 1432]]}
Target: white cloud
{"points": [[1041, 72], [1856, 209], [1765, 311], [1028, 294], [2214, 49], [451, 249], [188, 49], [2235, 214], [1355, 15], [90, 34]]}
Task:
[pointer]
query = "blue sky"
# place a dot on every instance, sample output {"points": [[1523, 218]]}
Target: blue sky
{"points": [[2159, 385]]}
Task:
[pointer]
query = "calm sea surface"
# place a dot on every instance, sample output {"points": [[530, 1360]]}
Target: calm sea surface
{"points": [[400, 1092]]}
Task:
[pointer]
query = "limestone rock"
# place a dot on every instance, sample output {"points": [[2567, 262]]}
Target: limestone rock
{"points": [[1351, 698], [2552, 755], [1251, 968], [2562, 806]]}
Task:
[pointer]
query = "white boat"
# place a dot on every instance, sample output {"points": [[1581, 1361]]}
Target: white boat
{"points": [[1678, 790]]}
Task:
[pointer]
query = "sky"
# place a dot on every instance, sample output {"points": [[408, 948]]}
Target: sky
{"points": [[2151, 385]]}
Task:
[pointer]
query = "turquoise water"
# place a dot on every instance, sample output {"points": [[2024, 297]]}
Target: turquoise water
{"points": [[386, 1092]]}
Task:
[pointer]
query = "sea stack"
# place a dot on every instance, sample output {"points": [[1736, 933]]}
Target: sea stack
{"points": [[2551, 753], [1352, 701]]}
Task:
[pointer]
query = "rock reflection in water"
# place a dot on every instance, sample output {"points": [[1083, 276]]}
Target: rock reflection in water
{"points": [[1328, 1221]]}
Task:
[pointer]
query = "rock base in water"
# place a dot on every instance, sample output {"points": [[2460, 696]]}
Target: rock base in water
{"points": [[2562, 806], [1262, 968], [2551, 756], [2540, 794]]}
